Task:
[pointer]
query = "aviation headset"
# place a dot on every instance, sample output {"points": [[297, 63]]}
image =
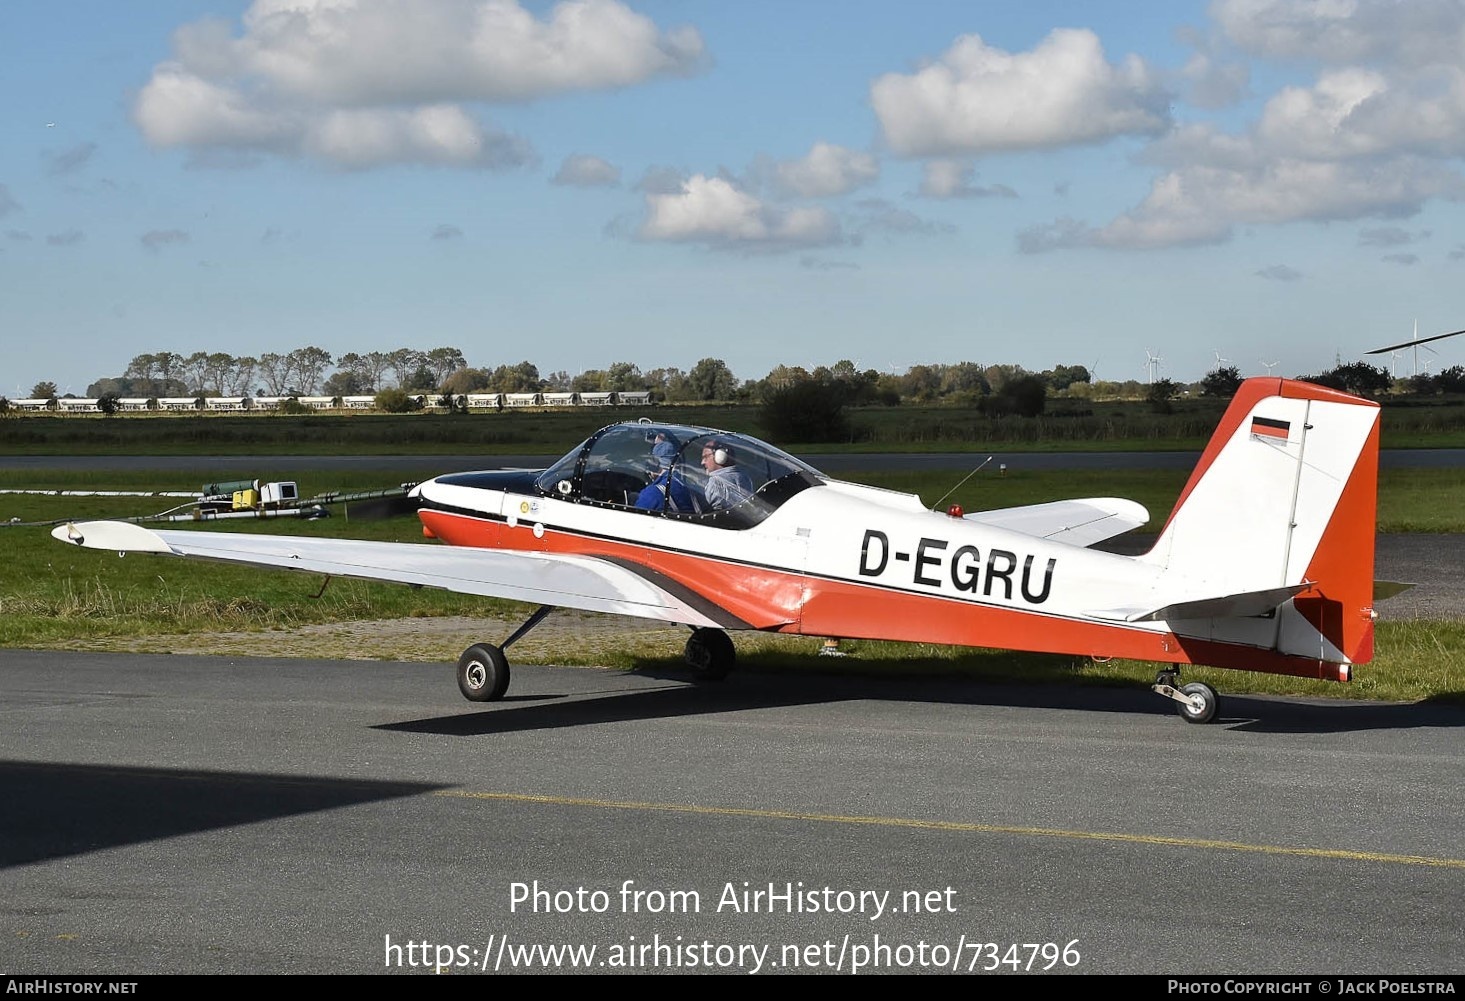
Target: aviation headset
{"points": [[720, 453]]}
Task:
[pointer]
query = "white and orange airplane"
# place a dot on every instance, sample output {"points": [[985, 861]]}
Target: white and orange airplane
{"points": [[1266, 563]]}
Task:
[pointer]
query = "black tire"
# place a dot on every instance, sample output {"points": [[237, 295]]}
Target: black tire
{"points": [[483, 673], [710, 654], [1211, 703]]}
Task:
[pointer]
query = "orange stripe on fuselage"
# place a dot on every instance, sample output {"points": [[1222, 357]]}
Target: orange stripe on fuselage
{"points": [[761, 597], [787, 601]]}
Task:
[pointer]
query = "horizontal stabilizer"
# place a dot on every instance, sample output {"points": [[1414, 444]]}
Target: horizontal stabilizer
{"points": [[1385, 589], [1225, 607], [1073, 522]]}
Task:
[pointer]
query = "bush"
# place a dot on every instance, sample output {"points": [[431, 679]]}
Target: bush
{"points": [[1159, 395], [1222, 383], [396, 401], [806, 411], [1024, 396]]}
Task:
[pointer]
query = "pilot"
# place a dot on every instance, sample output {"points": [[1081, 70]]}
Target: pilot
{"points": [[727, 485], [667, 490]]}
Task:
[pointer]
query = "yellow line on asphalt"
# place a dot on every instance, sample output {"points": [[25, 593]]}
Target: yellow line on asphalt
{"points": [[944, 825]]}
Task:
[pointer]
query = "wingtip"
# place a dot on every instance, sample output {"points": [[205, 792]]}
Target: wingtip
{"points": [[68, 533], [119, 535]]}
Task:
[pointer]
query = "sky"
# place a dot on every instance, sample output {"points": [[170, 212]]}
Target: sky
{"points": [[1271, 184]]}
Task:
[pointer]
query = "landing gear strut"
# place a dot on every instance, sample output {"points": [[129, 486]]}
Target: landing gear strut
{"points": [[483, 670], [1196, 702]]}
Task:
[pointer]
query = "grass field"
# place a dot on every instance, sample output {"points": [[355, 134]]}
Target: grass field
{"points": [[57, 596]]}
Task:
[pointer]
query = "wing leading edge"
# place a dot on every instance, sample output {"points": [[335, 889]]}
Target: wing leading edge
{"points": [[582, 582]]}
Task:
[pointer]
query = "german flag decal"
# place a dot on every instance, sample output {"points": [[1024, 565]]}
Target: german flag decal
{"points": [[1267, 427]]}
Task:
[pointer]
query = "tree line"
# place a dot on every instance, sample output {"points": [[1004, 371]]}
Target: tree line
{"points": [[997, 389]]}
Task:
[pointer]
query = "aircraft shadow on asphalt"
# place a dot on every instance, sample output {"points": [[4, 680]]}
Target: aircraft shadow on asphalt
{"points": [[750, 690], [72, 809]]}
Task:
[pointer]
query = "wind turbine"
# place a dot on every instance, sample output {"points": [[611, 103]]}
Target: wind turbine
{"points": [[1416, 343], [1268, 365], [1152, 365], [1220, 362]]}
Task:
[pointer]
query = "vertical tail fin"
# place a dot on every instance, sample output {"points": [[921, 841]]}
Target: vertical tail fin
{"points": [[1286, 493]]}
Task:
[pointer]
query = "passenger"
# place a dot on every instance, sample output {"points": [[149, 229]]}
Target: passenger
{"points": [[667, 491], [727, 485]]}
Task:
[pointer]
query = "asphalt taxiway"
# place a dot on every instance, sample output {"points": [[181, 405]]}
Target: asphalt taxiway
{"points": [[212, 815]]}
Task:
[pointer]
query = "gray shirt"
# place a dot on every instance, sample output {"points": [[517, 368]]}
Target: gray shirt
{"points": [[727, 487]]}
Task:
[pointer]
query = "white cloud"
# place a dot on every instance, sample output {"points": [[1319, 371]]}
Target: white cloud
{"points": [[446, 231], [582, 171], [1385, 236], [715, 212], [69, 238], [1199, 204], [979, 99], [1346, 31], [1359, 112], [440, 134], [1061, 234], [8, 204], [363, 83], [1211, 82], [1362, 141], [156, 239], [179, 108], [811, 263], [879, 215], [826, 170], [1404, 259], [953, 179], [1280, 273]]}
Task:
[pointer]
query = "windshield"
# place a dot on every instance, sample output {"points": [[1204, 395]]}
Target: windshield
{"points": [[565, 471], [691, 473]]}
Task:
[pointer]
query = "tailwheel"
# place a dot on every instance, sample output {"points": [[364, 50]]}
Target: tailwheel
{"points": [[710, 654], [1201, 705], [1196, 702], [483, 673]]}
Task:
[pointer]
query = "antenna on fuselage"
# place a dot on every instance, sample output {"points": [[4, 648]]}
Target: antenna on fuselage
{"points": [[954, 489]]}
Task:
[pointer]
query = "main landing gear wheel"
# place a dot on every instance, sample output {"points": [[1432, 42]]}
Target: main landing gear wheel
{"points": [[483, 673], [710, 654]]}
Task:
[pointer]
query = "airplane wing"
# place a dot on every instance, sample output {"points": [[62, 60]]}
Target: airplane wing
{"points": [[583, 582], [1075, 522]]}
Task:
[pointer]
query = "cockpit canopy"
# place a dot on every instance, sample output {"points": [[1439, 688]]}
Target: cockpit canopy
{"points": [[658, 468]]}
